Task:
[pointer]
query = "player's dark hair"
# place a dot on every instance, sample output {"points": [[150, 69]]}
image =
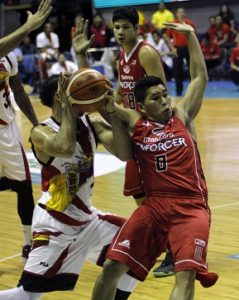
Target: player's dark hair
{"points": [[143, 84], [48, 89], [126, 13]]}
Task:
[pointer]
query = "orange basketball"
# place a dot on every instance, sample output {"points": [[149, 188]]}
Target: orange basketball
{"points": [[86, 89]]}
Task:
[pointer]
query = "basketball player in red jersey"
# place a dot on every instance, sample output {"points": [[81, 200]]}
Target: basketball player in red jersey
{"points": [[175, 209], [136, 60]]}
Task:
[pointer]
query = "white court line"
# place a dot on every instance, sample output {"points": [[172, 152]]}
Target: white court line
{"points": [[225, 205], [9, 257], [212, 208]]}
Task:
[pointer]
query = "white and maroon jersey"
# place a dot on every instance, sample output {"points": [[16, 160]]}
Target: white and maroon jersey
{"points": [[168, 159], [130, 71], [8, 68], [67, 183]]}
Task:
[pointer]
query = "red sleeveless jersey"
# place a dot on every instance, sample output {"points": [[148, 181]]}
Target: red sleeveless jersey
{"points": [[168, 159], [130, 71]]}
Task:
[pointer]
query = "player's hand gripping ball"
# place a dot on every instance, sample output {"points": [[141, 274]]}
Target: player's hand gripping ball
{"points": [[86, 90]]}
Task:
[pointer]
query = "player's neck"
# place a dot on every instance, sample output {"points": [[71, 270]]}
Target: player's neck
{"points": [[129, 46]]}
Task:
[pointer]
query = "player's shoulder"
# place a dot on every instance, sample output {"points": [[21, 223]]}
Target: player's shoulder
{"points": [[147, 49], [11, 58]]}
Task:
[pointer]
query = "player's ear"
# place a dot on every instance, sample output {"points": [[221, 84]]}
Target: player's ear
{"points": [[137, 27]]}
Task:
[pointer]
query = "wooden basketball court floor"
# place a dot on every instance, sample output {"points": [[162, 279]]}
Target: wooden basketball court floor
{"points": [[218, 137]]}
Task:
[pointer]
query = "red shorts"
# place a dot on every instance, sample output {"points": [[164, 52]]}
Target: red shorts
{"points": [[183, 223], [133, 183]]}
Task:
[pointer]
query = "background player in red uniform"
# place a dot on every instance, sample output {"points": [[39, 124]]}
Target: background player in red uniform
{"points": [[175, 210]]}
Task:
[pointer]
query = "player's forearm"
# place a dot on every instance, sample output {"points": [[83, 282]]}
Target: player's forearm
{"points": [[65, 139], [121, 140], [197, 62], [82, 60], [11, 41]]}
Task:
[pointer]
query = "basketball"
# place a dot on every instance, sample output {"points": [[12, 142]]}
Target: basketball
{"points": [[86, 89]]}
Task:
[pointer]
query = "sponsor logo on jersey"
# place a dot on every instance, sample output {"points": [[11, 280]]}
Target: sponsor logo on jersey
{"points": [[125, 244], [127, 77], [200, 242], [126, 69], [133, 62], [44, 264], [127, 85], [162, 146]]}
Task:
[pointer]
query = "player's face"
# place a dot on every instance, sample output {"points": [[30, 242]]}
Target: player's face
{"points": [[157, 103], [125, 33]]}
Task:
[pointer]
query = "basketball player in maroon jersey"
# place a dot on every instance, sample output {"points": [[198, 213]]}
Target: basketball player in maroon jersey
{"points": [[136, 60], [175, 209], [34, 21]]}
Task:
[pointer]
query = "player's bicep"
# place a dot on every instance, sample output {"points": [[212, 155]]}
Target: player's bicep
{"points": [[192, 101], [43, 140]]}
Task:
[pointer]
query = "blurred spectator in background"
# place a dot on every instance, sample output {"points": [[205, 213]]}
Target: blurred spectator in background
{"points": [[161, 16], [62, 65], [156, 38], [211, 52], [47, 43], [180, 43], [211, 29], [228, 18], [144, 24], [102, 34], [234, 65], [27, 47], [77, 22], [63, 31], [221, 32], [28, 66]]}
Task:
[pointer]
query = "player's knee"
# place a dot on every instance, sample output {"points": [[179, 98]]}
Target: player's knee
{"points": [[114, 269]]}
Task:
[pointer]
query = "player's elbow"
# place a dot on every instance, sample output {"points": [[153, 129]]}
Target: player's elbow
{"points": [[124, 155]]}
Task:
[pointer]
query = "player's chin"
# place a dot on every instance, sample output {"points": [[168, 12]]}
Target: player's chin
{"points": [[168, 112]]}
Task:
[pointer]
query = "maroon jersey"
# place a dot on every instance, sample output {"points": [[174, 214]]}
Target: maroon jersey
{"points": [[130, 71], [168, 159]]}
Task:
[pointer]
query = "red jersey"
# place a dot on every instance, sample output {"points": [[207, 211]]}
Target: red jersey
{"points": [[179, 39], [220, 31], [130, 71], [168, 159], [234, 57], [210, 50]]}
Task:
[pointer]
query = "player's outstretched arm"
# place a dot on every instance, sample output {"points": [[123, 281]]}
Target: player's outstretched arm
{"points": [[192, 101], [34, 21], [81, 43]]}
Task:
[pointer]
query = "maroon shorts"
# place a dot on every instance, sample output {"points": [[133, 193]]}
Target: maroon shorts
{"points": [[133, 184], [183, 223]]}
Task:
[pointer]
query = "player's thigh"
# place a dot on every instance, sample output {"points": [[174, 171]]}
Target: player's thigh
{"points": [[188, 237], [99, 235]]}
